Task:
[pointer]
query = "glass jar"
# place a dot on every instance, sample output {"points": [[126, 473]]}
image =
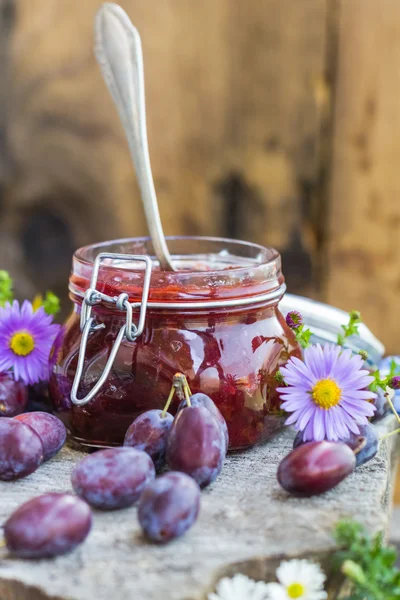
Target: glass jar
{"points": [[215, 319]]}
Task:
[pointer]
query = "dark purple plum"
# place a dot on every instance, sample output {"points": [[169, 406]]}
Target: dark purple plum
{"points": [[355, 442], [51, 431], [381, 404], [204, 400], [169, 506], [298, 440], [49, 525], [21, 449], [316, 467], [364, 445], [113, 478], [196, 444], [39, 399], [13, 396], [149, 432]]}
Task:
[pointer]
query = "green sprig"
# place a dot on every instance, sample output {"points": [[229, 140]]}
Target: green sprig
{"points": [[367, 563], [279, 378], [383, 382], [6, 288], [351, 328], [303, 336], [51, 303]]}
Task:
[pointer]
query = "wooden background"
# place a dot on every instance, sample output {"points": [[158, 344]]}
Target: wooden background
{"points": [[276, 121]]}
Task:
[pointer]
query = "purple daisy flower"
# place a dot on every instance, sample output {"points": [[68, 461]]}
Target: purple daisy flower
{"points": [[326, 393], [26, 338]]}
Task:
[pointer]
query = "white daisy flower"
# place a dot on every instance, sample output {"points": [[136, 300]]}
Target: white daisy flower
{"points": [[240, 587], [299, 579]]}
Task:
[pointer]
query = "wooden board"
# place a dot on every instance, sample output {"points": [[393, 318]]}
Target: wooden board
{"points": [[235, 96], [247, 524], [363, 265], [395, 532]]}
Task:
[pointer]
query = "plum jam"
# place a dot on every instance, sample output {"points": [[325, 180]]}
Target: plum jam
{"points": [[215, 319]]}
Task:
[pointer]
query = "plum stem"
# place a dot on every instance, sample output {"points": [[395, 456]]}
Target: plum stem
{"points": [[186, 390], [392, 407], [396, 414], [167, 404], [387, 435], [179, 382]]}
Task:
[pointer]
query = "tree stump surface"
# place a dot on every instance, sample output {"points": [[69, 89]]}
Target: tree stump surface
{"points": [[247, 524]]}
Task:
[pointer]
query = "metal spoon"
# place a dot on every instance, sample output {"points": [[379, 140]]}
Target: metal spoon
{"points": [[119, 53]]}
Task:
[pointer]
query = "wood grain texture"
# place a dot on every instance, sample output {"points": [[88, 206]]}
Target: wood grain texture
{"points": [[247, 524], [234, 115], [273, 120], [363, 247], [397, 489], [6, 26]]}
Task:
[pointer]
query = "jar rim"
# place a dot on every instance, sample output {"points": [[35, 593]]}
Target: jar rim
{"points": [[232, 268], [103, 246]]}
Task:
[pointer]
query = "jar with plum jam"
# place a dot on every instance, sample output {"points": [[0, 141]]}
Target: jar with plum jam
{"points": [[215, 319]]}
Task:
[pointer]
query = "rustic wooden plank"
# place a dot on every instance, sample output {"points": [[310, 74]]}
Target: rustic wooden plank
{"points": [[234, 113], [273, 126], [6, 27], [395, 532], [363, 250], [397, 489], [247, 524], [71, 157], [7, 19], [72, 177]]}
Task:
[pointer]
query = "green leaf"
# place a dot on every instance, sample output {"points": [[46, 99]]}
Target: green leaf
{"points": [[394, 369], [351, 328], [354, 572], [6, 288], [51, 303], [303, 336], [279, 378], [367, 562]]}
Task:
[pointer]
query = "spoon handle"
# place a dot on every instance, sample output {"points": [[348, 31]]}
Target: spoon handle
{"points": [[119, 53]]}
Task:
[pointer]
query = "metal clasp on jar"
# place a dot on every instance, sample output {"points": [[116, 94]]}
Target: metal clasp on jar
{"points": [[129, 330]]}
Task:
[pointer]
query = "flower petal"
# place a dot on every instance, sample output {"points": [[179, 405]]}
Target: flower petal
{"points": [[15, 319]]}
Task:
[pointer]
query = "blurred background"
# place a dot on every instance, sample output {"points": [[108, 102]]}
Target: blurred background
{"points": [[275, 121]]}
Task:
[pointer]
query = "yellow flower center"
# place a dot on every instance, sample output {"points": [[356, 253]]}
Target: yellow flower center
{"points": [[22, 343], [295, 590], [326, 393]]}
